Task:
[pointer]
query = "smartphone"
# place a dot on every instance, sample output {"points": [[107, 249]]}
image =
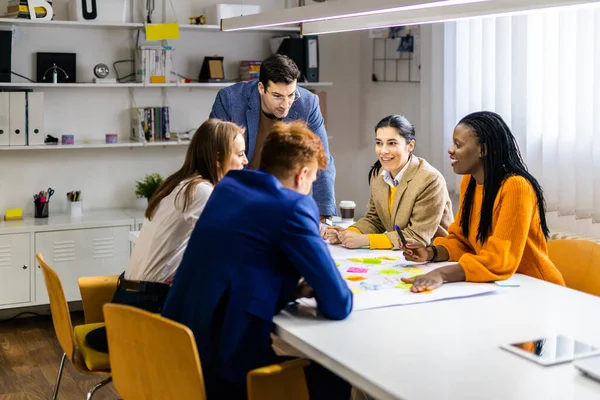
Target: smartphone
{"points": [[552, 349]]}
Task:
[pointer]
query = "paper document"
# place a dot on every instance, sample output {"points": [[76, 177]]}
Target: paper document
{"points": [[375, 279]]}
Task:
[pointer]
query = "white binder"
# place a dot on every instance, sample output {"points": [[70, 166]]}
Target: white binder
{"points": [[35, 118], [17, 119], [4, 117]]}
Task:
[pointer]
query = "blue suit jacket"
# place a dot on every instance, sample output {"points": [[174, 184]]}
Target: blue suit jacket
{"points": [[252, 243], [240, 103]]}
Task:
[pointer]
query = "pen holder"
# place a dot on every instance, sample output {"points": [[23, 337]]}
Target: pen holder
{"points": [[41, 209], [76, 208]]}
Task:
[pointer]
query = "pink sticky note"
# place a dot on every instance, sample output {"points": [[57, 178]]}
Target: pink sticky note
{"points": [[358, 270]]}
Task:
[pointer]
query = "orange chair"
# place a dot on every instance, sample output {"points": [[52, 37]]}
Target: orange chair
{"points": [[579, 263], [95, 292], [153, 357], [72, 340]]}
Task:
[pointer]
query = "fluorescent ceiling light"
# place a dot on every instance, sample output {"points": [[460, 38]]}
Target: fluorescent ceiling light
{"points": [[330, 10], [438, 14]]}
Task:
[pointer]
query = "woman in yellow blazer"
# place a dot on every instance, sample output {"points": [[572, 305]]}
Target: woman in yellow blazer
{"points": [[405, 191]]}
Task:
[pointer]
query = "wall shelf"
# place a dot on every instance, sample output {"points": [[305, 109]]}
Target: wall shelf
{"points": [[95, 145], [126, 25], [214, 85]]}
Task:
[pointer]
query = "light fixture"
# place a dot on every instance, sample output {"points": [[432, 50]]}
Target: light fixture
{"points": [[328, 11], [448, 12]]}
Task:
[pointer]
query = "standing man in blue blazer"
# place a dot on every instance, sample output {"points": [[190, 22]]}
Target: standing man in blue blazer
{"points": [[257, 105], [257, 236]]}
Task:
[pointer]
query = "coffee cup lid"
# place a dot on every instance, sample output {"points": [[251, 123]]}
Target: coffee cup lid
{"points": [[347, 203]]}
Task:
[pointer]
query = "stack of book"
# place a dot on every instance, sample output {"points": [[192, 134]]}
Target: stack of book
{"points": [[154, 64], [249, 70], [151, 124]]}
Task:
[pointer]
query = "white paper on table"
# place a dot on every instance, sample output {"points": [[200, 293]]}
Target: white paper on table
{"points": [[396, 297]]}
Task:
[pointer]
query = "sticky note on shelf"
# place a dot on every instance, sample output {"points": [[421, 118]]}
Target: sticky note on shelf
{"points": [[162, 31], [358, 270], [389, 271]]}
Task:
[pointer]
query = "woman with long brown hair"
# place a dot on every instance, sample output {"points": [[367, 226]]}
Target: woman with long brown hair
{"points": [[216, 147]]}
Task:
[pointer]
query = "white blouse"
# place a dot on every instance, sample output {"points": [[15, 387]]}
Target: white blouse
{"points": [[162, 242]]}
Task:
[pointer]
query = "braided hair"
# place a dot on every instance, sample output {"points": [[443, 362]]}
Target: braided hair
{"points": [[501, 159]]}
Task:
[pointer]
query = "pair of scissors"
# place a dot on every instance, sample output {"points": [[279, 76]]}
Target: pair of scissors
{"points": [[50, 192]]}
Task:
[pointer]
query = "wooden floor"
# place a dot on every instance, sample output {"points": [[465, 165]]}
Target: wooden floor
{"points": [[30, 356], [29, 360]]}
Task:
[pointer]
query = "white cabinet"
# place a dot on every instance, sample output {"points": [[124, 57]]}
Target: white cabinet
{"points": [[15, 276], [81, 252]]}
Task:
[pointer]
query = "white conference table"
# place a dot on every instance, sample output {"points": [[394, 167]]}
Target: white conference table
{"points": [[450, 349]]}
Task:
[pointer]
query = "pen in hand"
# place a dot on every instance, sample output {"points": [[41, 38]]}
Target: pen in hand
{"points": [[402, 238]]}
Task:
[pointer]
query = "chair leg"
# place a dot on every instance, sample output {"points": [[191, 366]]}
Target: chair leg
{"points": [[98, 386], [59, 376]]}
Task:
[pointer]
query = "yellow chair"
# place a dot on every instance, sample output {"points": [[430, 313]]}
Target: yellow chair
{"points": [[153, 357], [72, 340], [95, 292], [579, 263]]}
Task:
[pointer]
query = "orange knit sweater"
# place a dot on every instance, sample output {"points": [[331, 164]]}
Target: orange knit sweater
{"points": [[516, 242]]}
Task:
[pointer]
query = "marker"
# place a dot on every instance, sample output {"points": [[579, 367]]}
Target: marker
{"points": [[402, 238]]}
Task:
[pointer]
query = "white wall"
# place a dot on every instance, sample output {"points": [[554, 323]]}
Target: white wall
{"points": [[355, 105]]}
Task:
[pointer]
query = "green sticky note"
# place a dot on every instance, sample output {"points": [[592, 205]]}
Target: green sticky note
{"points": [[337, 264], [389, 271], [371, 261], [403, 285]]}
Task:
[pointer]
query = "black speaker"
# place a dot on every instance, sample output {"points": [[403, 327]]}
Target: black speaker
{"points": [[5, 55]]}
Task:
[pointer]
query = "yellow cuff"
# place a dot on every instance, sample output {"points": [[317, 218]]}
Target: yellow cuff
{"points": [[353, 229], [379, 241]]}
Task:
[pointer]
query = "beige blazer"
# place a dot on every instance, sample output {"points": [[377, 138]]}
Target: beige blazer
{"points": [[421, 207]]}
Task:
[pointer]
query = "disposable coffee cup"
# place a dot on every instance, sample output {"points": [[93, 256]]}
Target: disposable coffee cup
{"points": [[347, 209]]}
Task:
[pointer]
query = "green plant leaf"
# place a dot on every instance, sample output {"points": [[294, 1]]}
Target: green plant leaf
{"points": [[148, 185]]}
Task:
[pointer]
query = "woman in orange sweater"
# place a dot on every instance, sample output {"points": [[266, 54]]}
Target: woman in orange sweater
{"points": [[501, 225]]}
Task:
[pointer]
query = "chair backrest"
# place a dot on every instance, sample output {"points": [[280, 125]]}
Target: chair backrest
{"points": [[279, 381], [579, 263], [152, 357], [96, 291], [58, 307]]}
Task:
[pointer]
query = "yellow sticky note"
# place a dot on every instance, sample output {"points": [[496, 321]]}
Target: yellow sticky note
{"points": [[162, 31], [357, 290], [337, 264], [355, 259], [388, 258], [414, 271], [371, 261], [389, 271], [354, 278], [403, 285]]}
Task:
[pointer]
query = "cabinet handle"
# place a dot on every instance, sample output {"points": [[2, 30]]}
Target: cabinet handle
{"points": [[24, 266]]}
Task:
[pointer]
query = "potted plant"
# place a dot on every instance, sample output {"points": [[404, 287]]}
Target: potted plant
{"points": [[147, 187]]}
